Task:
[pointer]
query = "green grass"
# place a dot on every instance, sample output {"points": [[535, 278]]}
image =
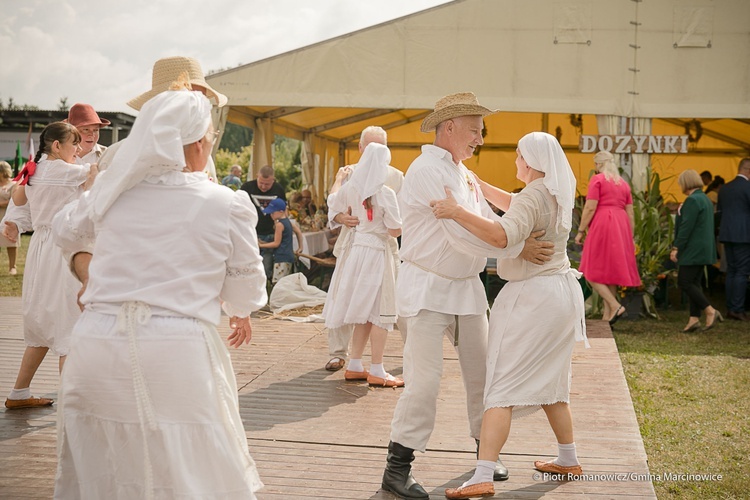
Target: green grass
{"points": [[10, 286], [690, 393]]}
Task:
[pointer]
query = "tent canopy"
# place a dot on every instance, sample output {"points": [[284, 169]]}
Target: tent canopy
{"points": [[538, 62]]}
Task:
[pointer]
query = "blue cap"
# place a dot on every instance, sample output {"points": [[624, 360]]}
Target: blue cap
{"points": [[275, 205]]}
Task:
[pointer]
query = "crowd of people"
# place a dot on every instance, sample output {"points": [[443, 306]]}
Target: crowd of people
{"points": [[134, 423]]}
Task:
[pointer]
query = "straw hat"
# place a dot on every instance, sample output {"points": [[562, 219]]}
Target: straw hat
{"points": [[83, 115], [167, 70], [453, 106]]}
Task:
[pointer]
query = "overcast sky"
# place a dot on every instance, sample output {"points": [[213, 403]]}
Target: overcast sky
{"points": [[101, 52]]}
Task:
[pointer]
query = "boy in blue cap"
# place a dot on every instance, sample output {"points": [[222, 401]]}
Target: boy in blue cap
{"points": [[283, 255]]}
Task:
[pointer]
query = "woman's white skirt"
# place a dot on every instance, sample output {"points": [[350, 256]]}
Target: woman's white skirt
{"points": [[533, 325], [49, 295], [152, 414], [354, 294]]}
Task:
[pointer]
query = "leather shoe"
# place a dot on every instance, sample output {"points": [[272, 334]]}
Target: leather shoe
{"points": [[13, 404], [695, 327], [350, 375], [553, 468], [335, 364], [389, 381], [741, 316], [471, 491], [501, 471]]}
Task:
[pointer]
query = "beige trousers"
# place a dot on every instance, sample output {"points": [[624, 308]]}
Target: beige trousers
{"points": [[414, 417]]}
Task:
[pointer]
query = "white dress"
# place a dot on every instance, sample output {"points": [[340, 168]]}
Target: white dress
{"points": [[354, 296], [148, 403], [537, 316], [5, 194], [49, 288]]}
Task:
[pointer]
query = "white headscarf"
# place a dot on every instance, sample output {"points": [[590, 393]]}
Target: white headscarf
{"points": [[542, 152], [372, 169], [166, 123]]}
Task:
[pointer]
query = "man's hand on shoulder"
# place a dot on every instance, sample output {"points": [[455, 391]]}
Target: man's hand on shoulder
{"points": [[537, 251]]}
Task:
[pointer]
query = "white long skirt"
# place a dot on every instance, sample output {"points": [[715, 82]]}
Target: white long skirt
{"points": [[49, 295], [354, 294], [533, 326], [150, 415]]}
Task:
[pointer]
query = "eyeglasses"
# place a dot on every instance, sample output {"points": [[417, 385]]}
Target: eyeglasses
{"points": [[213, 135]]}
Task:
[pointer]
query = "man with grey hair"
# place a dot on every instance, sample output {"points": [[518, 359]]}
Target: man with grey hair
{"points": [[438, 287], [234, 179], [339, 338]]}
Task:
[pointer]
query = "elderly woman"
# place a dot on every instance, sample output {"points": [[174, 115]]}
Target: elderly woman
{"points": [[6, 190], [694, 248], [537, 317], [362, 289], [46, 184], [148, 403], [608, 258]]}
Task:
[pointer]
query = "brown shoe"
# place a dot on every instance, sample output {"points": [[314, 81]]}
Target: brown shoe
{"points": [[553, 468], [13, 404], [388, 381], [471, 491], [335, 364], [350, 375]]}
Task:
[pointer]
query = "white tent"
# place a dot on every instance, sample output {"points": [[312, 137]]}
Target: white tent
{"points": [[567, 67]]}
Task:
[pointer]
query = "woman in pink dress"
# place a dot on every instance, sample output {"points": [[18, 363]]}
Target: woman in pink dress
{"points": [[607, 223]]}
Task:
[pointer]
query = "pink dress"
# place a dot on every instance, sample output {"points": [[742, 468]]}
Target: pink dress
{"points": [[608, 251]]}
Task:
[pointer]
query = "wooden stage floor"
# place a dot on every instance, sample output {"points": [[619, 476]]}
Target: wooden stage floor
{"points": [[315, 436]]}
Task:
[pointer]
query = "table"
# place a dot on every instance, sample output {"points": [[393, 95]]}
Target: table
{"points": [[313, 242]]}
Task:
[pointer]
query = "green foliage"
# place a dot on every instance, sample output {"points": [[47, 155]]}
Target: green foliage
{"points": [[236, 138], [225, 159], [654, 231], [287, 162]]}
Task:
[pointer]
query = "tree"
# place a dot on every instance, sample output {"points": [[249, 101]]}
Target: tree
{"points": [[63, 105], [236, 138]]}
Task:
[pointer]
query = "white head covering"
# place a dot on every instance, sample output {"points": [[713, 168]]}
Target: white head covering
{"points": [[542, 152], [371, 171], [167, 122]]}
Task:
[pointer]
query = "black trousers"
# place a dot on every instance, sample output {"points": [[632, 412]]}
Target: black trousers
{"points": [[689, 281]]}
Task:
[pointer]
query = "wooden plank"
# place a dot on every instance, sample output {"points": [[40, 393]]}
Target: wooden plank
{"points": [[315, 436]]}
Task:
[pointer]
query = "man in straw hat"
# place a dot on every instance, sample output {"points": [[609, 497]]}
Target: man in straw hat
{"points": [[438, 289], [87, 121]]}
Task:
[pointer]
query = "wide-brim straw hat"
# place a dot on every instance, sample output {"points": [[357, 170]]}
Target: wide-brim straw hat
{"points": [[83, 115], [168, 70], [453, 106]]}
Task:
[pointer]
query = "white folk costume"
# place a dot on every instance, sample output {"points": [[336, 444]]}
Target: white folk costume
{"points": [[5, 197], [148, 405], [438, 284], [362, 285], [49, 289], [539, 314]]}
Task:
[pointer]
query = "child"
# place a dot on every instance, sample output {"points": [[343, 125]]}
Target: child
{"points": [[283, 255]]}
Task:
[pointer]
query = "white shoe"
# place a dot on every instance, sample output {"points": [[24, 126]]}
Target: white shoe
{"points": [[12, 271]]}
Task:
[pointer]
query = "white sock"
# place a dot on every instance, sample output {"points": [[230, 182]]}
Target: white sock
{"points": [[482, 474], [566, 455], [20, 393], [378, 370], [355, 365]]}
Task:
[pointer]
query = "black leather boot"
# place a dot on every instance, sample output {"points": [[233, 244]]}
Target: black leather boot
{"points": [[501, 471], [397, 477]]}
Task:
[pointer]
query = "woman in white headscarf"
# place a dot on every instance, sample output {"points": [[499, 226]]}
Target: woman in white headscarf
{"points": [[148, 401], [538, 315], [362, 291]]}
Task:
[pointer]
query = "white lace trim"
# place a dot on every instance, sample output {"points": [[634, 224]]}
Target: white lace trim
{"points": [[241, 272]]}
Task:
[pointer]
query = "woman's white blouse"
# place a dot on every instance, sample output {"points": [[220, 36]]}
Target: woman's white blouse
{"points": [[177, 242]]}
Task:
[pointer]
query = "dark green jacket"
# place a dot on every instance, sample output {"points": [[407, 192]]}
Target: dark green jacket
{"points": [[694, 231]]}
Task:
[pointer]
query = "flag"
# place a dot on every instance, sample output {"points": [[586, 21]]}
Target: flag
{"points": [[31, 149], [18, 163]]}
